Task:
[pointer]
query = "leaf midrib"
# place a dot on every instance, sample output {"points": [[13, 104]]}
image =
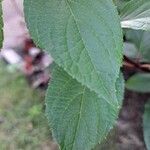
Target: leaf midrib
{"points": [[79, 118], [103, 85]]}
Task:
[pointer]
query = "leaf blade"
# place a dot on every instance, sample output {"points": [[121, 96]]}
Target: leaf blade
{"points": [[136, 15], [81, 40], [141, 40], [78, 118], [139, 83]]}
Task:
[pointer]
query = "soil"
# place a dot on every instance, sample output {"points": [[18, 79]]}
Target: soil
{"points": [[130, 122], [128, 132], [129, 125]]}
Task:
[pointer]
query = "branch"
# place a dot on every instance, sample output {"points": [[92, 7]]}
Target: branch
{"points": [[145, 67]]}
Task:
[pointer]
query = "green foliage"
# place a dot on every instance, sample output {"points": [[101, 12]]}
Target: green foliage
{"points": [[88, 46], [89, 50], [79, 119], [120, 4], [130, 50], [85, 39], [139, 83], [146, 125], [136, 15], [141, 39]]}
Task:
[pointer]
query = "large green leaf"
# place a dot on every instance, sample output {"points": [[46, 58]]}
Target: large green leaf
{"points": [[83, 36], [146, 125], [77, 117], [136, 15], [139, 83], [1, 25]]}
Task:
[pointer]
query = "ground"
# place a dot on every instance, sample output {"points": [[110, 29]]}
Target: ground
{"points": [[23, 125]]}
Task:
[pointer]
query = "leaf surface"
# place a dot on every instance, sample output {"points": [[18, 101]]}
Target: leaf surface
{"points": [[136, 15], [141, 39], [81, 38], [130, 50], [79, 119]]}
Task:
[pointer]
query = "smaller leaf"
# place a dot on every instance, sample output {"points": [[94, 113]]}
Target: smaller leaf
{"points": [[146, 125], [138, 24], [130, 50], [141, 39], [139, 83], [136, 15]]}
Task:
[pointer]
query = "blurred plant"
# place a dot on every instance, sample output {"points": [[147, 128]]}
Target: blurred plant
{"points": [[85, 40]]}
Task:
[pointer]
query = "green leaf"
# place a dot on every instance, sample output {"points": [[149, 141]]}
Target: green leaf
{"points": [[83, 37], [130, 50], [79, 119], [136, 15], [139, 83], [141, 39], [120, 4], [1, 25], [146, 125]]}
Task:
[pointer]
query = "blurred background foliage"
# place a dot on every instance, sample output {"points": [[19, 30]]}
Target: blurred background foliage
{"points": [[23, 125]]}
